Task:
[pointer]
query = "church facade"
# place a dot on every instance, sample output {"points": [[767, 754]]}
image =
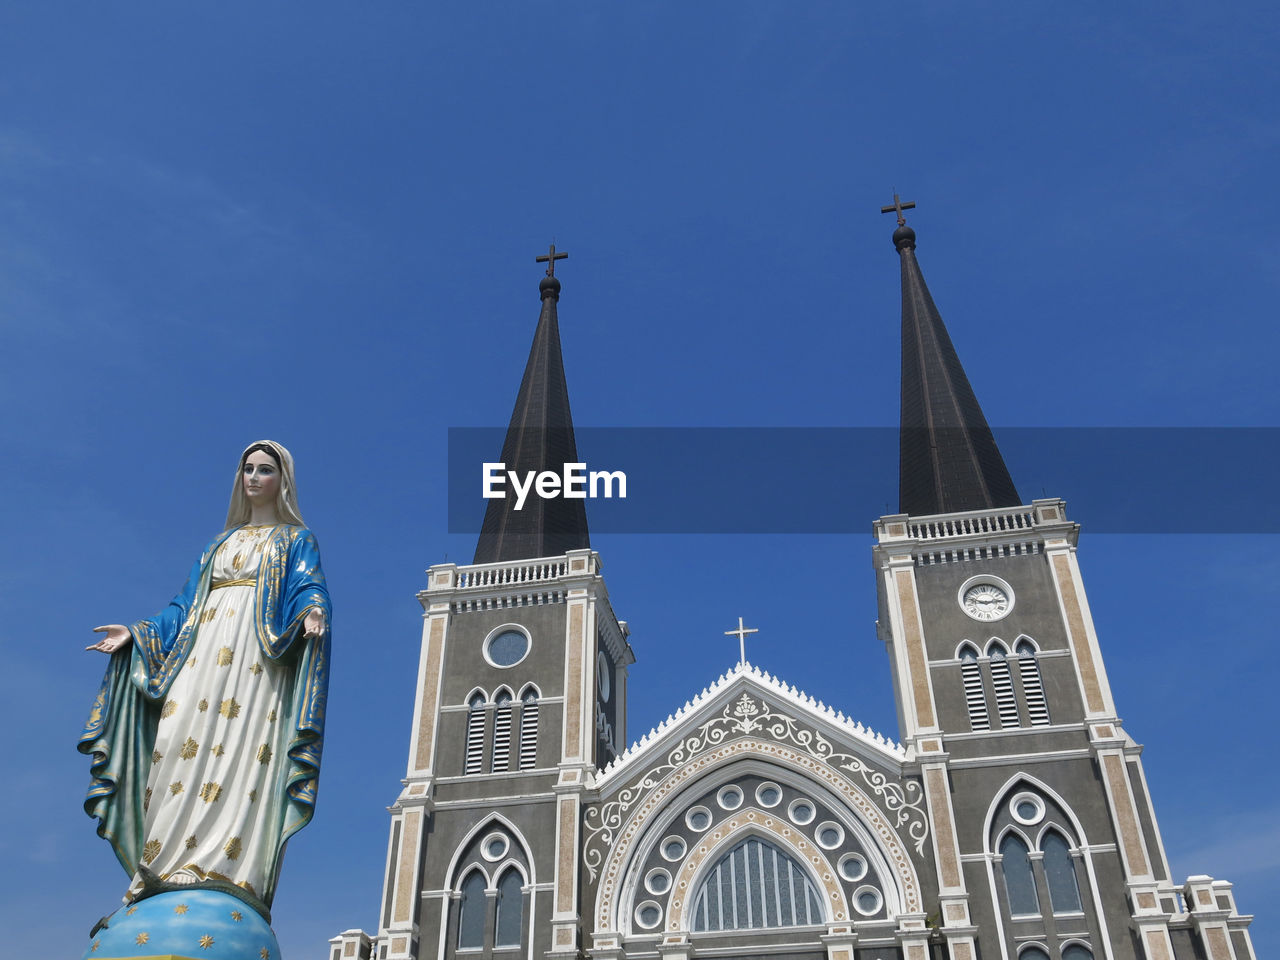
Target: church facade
{"points": [[1011, 821]]}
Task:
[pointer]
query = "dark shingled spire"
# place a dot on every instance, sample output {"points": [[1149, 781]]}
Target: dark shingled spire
{"points": [[948, 459], [539, 437]]}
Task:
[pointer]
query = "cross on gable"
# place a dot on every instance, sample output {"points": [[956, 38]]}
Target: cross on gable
{"points": [[899, 206], [741, 634], [550, 260]]}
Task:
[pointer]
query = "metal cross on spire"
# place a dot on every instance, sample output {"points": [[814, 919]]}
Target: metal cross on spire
{"points": [[550, 260], [741, 634], [899, 206]]}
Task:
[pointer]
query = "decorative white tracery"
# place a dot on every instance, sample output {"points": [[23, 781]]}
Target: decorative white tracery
{"points": [[902, 800]]}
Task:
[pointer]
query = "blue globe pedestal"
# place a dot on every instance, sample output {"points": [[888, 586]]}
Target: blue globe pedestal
{"points": [[196, 924]]}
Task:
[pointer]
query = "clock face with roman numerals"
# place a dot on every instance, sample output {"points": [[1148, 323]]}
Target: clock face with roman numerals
{"points": [[985, 601]]}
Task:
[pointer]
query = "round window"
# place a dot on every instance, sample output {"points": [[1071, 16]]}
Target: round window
{"points": [[699, 818], [495, 846], [830, 835], [852, 867], [506, 646], [1027, 808], [658, 881], [769, 794], [867, 901], [602, 679], [801, 812], [648, 914], [730, 798], [673, 848]]}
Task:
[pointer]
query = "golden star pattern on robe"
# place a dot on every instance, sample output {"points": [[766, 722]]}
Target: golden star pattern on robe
{"points": [[189, 748], [229, 708], [226, 656], [150, 850], [232, 848], [210, 792]]}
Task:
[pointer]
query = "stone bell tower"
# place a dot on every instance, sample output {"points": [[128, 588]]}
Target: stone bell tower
{"points": [[1045, 836], [521, 691]]}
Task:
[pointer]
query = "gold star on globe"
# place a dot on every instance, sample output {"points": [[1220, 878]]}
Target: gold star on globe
{"points": [[180, 909], [237, 916], [264, 953], [142, 938], [206, 942]]}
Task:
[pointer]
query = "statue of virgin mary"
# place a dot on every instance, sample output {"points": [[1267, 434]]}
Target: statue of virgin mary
{"points": [[205, 736]]}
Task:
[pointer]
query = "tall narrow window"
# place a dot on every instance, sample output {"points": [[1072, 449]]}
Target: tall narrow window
{"points": [[756, 885], [1018, 879], [1029, 670], [502, 733], [974, 697], [1064, 892], [529, 730], [471, 912], [1002, 683], [510, 910], [474, 761], [1035, 953]]}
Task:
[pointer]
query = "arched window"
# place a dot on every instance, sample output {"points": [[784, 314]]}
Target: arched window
{"points": [[974, 698], [529, 729], [510, 910], [1075, 951], [474, 761], [1018, 879], [1032, 688], [1060, 872], [471, 912], [1034, 953], [1002, 683], [753, 886], [502, 733]]}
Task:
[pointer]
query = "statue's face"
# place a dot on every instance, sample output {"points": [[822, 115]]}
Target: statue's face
{"points": [[261, 478]]}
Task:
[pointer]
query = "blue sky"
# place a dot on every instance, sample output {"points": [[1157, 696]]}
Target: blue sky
{"points": [[222, 222]]}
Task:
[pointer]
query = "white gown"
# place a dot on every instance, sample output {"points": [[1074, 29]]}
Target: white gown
{"points": [[221, 746]]}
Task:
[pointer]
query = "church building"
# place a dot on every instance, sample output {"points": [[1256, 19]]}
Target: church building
{"points": [[1010, 820]]}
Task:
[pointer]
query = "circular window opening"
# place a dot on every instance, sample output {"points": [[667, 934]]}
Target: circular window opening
{"points": [[830, 835], [495, 846], [769, 794], [699, 818], [730, 798], [506, 646], [1027, 808], [801, 812], [673, 848], [648, 915], [657, 881], [602, 680], [867, 901], [852, 867]]}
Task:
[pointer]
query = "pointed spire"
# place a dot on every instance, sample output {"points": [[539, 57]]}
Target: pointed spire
{"points": [[539, 437], [948, 459]]}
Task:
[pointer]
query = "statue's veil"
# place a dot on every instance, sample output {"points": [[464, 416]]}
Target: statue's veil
{"points": [[286, 499]]}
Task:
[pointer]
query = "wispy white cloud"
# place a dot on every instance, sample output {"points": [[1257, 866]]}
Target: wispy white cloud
{"points": [[1247, 845]]}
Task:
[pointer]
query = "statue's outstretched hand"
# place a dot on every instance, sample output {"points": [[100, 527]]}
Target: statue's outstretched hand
{"points": [[313, 623], [116, 637]]}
